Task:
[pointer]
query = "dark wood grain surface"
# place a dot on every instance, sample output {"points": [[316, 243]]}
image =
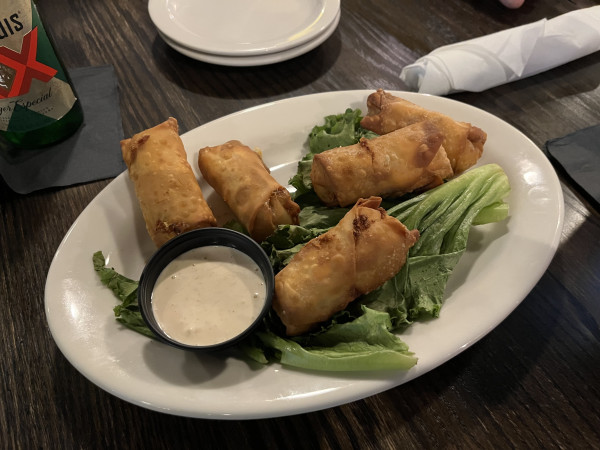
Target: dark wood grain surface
{"points": [[533, 382]]}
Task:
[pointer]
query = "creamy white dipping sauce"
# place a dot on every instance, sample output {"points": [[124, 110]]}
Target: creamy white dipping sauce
{"points": [[208, 295]]}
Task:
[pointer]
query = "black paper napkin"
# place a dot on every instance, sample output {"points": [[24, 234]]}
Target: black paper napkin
{"points": [[92, 153], [578, 154]]}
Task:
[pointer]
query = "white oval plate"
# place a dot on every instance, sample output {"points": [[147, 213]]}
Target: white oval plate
{"points": [[158, 377], [254, 60], [242, 27]]}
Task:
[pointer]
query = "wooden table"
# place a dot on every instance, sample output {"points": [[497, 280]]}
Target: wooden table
{"points": [[533, 382]]}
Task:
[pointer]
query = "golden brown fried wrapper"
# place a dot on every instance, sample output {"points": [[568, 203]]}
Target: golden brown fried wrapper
{"points": [[165, 185], [391, 165], [238, 174], [365, 249], [462, 141]]}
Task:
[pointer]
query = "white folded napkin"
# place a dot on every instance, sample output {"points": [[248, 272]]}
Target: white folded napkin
{"points": [[508, 55]]}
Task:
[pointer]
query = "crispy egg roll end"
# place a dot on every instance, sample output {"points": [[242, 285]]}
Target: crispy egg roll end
{"points": [[350, 253], [167, 190]]}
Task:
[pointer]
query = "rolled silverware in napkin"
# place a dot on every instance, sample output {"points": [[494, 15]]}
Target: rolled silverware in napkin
{"points": [[482, 63]]}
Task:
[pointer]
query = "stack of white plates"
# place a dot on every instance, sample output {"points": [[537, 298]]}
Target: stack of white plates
{"points": [[244, 32]]}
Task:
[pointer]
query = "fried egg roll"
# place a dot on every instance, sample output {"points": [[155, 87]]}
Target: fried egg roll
{"points": [[168, 192], [462, 141], [365, 249], [405, 160], [238, 174]]}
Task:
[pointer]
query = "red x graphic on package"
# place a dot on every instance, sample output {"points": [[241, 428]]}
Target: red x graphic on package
{"points": [[25, 65]]}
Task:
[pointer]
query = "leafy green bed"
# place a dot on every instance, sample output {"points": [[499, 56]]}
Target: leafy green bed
{"points": [[365, 335]]}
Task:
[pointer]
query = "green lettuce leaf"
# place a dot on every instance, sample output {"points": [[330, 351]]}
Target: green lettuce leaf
{"points": [[125, 289], [444, 216], [339, 130], [362, 344]]}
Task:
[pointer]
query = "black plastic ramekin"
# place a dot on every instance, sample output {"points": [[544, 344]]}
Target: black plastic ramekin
{"points": [[191, 240]]}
